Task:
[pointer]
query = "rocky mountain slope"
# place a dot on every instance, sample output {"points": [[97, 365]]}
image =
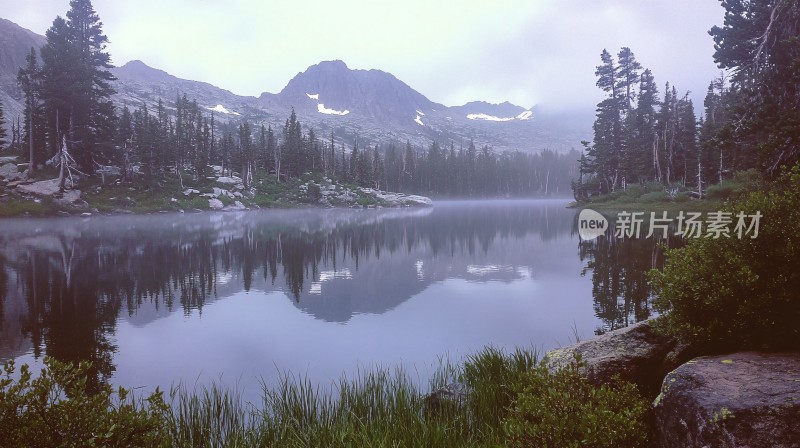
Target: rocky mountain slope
{"points": [[15, 44], [372, 105]]}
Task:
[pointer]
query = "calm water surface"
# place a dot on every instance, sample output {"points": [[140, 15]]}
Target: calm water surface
{"points": [[157, 300]]}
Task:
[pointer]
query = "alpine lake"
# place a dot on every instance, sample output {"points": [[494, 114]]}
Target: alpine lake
{"points": [[244, 298]]}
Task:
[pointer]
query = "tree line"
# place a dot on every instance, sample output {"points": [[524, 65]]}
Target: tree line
{"points": [[157, 143], [750, 114], [69, 118]]}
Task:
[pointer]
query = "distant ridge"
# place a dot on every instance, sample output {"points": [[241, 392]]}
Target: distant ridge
{"points": [[372, 106]]}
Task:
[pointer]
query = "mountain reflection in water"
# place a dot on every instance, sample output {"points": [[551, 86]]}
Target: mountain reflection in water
{"points": [[152, 300]]}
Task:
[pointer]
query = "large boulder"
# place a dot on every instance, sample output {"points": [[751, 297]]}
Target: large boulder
{"points": [[9, 172], [636, 353], [50, 188], [215, 204], [399, 199], [741, 400]]}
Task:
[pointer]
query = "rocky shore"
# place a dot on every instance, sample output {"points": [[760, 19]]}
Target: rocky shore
{"points": [[745, 399], [735, 400], [220, 192]]}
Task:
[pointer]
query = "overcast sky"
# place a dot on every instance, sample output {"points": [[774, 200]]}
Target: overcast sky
{"points": [[527, 52]]}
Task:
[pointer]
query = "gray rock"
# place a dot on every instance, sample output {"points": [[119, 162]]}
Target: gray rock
{"points": [[9, 172], [215, 204], [235, 207], [229, 180], [740, 400], [635, 353], [454, 394]]}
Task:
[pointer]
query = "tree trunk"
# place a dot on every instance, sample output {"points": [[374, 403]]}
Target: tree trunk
{"points": [[32, 164]]}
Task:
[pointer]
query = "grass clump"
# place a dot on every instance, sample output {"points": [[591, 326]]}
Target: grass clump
{"points": [[508, 400]]}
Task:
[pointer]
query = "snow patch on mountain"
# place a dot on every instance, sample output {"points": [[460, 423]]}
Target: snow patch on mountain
{"points": [[222, 109], [324, 110], [314, 96], [526, 115], [487, 117]]}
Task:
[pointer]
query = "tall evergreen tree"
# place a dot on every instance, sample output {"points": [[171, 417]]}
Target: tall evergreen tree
{"points": [[76, 83], [606, 150], [124, 140], [627, 77], [759, 44], [3, 132], [246, 153], [640, 132], [33, 138]]}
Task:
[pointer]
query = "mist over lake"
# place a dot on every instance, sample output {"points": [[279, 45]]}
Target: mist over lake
{"points": [[159, 299]]}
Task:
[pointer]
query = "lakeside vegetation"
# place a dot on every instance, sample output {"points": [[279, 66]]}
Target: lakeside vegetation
{"points": [[653, 195], [727, 294], [508, 400], [170, 194]]}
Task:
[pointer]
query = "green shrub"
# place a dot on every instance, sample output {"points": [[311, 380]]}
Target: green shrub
{"points": [[634, 191], [653, 186], [314, 193], [57, 410], [562, 409], [654, 196], [731, 293], [722, 191], [741, 184], [681, 197]]}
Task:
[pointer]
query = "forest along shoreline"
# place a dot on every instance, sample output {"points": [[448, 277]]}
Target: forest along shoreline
{"points": [[43, 195]]}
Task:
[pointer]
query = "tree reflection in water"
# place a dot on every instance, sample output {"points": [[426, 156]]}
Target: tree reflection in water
{"points": [[619, 267], [65, 283]]}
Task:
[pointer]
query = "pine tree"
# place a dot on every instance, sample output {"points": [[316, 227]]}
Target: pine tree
{"points": [[627, 76], [246, 153], [76, 83], [409, 170], [33, 137], [758, 43], [124, 140], [640, 132], [262, 157], [354, 163], [3, 132], [686, 142], [607, 148], [292, 146]]}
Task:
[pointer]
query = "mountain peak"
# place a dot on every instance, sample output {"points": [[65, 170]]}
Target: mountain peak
{"points": [[331, 88], [136, 64], [334, 63], [140, 71]]}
